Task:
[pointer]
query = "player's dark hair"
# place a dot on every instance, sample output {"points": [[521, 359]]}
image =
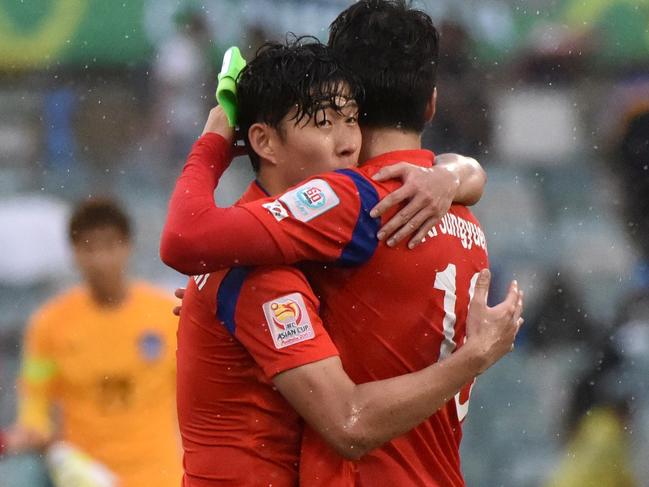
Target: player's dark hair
{"points": [[301, 73], [98, 213], [394, 50]]}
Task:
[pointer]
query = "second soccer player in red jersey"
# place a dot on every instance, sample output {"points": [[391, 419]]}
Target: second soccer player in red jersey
{"points": [[402, 310], [243, 328]]}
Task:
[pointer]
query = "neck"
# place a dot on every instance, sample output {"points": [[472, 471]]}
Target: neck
{"points": [[377, 141], [271, 180], [110, 298]]}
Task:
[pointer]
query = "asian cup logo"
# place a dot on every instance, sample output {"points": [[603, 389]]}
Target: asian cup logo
{"points": [[288, 320], [313, 197], [286, 314]]}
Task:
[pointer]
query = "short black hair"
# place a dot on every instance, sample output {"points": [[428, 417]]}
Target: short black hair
{"points": [[98, 213], [301, 72], [394, 50]]}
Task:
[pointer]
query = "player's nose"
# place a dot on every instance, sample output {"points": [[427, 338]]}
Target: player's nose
{"points": [[346, 148]]}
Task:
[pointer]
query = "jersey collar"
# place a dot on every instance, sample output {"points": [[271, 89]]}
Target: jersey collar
{"points": [[254, 192], [418, 157]]}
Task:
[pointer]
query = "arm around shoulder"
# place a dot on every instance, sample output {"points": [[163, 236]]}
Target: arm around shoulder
{"points": [[356, 418], [472, 177]]}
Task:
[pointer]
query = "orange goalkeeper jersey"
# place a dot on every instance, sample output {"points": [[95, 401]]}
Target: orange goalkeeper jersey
{"points": [[111, 374]]}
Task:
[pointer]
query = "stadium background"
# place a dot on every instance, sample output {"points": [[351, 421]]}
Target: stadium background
{"points": [[550, 96]]}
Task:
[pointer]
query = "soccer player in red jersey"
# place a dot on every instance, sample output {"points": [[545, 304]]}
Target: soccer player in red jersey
{"points": [[400, 311], [242, 328]]}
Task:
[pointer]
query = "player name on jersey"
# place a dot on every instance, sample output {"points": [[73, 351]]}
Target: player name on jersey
{"points": [[468, 232]]}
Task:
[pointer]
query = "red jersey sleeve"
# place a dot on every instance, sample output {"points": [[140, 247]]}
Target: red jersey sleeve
{"points": [[273, 312], [324, 219], [198, 237]]}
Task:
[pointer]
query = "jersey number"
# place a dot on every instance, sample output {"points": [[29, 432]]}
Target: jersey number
{"points": [[446, 281]]}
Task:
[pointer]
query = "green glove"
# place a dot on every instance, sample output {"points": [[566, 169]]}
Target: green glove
{"points": [[226, 91]]}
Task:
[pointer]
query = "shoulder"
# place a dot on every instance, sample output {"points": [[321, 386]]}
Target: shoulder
{"points": [[58, 307], [244, 291], [318, 195], [152, 306], [257, 284], [144, 291], [277, 276], [358, 180], [348, 192]]}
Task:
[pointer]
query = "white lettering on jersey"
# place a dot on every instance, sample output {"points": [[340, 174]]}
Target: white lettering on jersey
{"points": [[468, 232], [288, 320], [310, 200]]}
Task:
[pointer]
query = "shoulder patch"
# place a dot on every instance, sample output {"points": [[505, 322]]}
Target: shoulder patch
{"points": [[276, 209], [288, 320], [310, 200]]}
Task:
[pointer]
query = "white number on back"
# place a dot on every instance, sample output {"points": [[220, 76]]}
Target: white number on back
{"points": [[446, 281]]}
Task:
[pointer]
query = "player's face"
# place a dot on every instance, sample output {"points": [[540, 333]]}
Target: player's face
{"points": [[102, 256], [330, 140]]}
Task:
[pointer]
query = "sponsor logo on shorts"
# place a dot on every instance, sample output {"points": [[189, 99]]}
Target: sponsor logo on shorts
{"points": [[310, 200], [288, 320]]}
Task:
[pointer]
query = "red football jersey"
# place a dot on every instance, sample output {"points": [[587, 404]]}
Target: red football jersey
{"points": [[400, 312], [238, 328]]}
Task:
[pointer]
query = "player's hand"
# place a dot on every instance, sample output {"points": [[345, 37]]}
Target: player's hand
{"points": [[491, 331], [217, 122], [427, 193], [68, 466], [19, 439], [180, 294]]}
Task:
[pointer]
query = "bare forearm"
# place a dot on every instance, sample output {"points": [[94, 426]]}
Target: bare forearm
{"points": [[470, 175], [386, 409], [355, 419]]}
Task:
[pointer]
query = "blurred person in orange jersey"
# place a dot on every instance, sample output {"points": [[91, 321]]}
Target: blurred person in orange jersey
{"points": [[98, 369]]}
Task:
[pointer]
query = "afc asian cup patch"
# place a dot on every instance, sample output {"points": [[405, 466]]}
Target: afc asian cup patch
{"points": [[288, 320], [150, 346], [310, 200], [276, 209]]}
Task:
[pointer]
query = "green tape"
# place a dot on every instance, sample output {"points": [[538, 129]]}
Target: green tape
{"points": [[38, 370], [226, 91]]}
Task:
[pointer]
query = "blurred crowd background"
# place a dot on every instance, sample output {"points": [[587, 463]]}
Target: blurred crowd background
{"points": [[551, 96]]}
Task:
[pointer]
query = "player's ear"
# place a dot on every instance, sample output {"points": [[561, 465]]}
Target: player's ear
{"points": [[431, 105], [261, 138]]}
